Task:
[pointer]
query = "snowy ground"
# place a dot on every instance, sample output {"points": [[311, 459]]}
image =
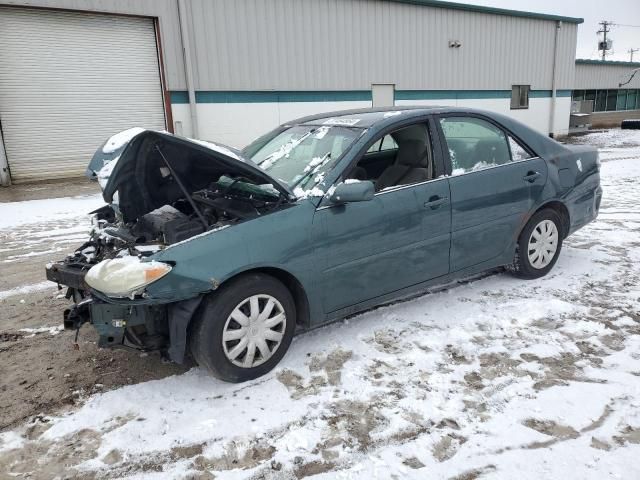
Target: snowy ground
{"points": [[494, 379]]}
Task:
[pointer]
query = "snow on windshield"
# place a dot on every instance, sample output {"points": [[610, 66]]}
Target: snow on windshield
{"points": [[302, 155], [120, 139]]}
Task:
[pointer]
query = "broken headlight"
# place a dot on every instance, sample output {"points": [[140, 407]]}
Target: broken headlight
{"points": [[124, 276]]}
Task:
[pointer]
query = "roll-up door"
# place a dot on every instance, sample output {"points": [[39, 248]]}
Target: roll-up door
{"points": [[68, 81]]}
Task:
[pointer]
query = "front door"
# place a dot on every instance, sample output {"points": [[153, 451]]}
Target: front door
{"points": [[494, 182], [396, 240], [399, 238]]}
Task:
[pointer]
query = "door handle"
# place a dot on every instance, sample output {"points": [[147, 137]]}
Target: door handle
{"points": [[531, 177], [434, 202]]}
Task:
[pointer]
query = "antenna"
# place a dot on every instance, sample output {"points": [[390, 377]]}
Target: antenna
{"points": [[604, 46]]}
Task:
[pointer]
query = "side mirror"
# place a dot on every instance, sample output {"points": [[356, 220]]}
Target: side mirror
{"points": [[353, 191]]}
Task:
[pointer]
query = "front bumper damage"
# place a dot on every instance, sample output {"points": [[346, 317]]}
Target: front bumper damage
{"points": [[140, 324]]}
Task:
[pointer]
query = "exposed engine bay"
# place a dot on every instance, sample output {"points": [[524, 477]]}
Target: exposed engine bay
{"points": [[162, 190], [224, 203]]}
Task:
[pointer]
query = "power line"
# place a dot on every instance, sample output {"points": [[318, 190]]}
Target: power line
{"points": [[631, 51]]}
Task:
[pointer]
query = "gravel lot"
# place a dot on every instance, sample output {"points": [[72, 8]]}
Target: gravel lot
{"points": [[493, 378]]}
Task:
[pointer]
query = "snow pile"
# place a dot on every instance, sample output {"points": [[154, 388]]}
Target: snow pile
{"points": [[14, 214], [50, 330], [26, 290], [120, 139], [613, 138]]}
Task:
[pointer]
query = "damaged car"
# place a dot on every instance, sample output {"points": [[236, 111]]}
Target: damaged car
{"points": [[206, 252]]}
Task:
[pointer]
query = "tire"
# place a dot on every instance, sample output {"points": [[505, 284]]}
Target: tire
{"points": [[542, 224], [228, 314]]}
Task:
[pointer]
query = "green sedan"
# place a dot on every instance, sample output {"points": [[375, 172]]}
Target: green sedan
{"points": [[221, 256]]}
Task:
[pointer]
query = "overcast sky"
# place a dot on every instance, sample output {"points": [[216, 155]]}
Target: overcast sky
{"points": [[623, 12]]}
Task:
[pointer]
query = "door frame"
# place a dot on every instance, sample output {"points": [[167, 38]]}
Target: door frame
{"points": [[436, 148], [443, 140]]}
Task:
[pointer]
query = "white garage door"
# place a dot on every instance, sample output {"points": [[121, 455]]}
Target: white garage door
{"points": [[68, 81]]}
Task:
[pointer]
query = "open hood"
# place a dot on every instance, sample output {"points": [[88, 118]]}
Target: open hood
{"points": [[133, 165]]}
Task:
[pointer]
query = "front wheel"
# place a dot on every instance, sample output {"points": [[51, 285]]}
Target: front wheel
{"points": [[539, 245], [245, 328]]}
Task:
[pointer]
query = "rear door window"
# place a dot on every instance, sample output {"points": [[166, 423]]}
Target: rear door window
{"points": [[474, 144]]}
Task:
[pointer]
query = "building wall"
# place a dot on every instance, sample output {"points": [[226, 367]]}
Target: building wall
{"points": [[599, 82], [321, 55], [345, 46], [350, 44], [593, 74], [218, 121]]}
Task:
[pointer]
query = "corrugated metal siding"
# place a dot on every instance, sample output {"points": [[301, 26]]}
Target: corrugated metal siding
{"points": [[349, 44], [68, 81], [591, 76], [165, 10]]}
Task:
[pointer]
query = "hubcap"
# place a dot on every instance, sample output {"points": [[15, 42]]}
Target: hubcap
{"points": [[543, 244], [254, 331]]}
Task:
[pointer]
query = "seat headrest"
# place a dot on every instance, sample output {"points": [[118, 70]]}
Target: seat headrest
{"points": [[412, 153]]}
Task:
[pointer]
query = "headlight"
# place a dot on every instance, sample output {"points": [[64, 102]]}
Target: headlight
{"points": [[124, 277]]}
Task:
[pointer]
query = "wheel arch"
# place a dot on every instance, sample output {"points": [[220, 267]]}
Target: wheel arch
{"points": [[303, 312], [562, 210]]}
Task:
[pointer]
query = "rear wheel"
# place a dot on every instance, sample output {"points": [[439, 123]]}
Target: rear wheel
{"points": [[245, 328], [539, 245]]}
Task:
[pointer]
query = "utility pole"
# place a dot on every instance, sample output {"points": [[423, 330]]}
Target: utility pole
{"points": [[604, 30], [631, 51]]}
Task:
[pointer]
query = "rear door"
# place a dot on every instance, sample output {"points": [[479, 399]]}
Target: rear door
{"points": [[495, 181]]}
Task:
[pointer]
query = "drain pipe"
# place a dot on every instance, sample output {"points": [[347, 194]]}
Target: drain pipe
{"points": [[552, 116], [188, 66], [5, 178]]}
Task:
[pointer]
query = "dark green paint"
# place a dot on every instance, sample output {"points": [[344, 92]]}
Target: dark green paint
{"points": [[351, 256]]}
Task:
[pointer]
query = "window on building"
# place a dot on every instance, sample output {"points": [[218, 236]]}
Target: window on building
{"points": [[612, 100], [601, 101], [520, 96], [632, 98], [590, 96], [621, 103]]}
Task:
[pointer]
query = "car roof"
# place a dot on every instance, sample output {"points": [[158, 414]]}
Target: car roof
{"points": [[368, 117], [383, 117]]}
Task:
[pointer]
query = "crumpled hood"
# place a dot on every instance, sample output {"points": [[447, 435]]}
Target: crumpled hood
{"points": [[129, 163]]}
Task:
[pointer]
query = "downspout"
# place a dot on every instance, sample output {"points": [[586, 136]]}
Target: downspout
{"points": [[188, 66], [5, 178], [552, 115]]}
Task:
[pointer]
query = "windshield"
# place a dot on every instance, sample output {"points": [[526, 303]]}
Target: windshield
{"points": [[301, 156]]}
